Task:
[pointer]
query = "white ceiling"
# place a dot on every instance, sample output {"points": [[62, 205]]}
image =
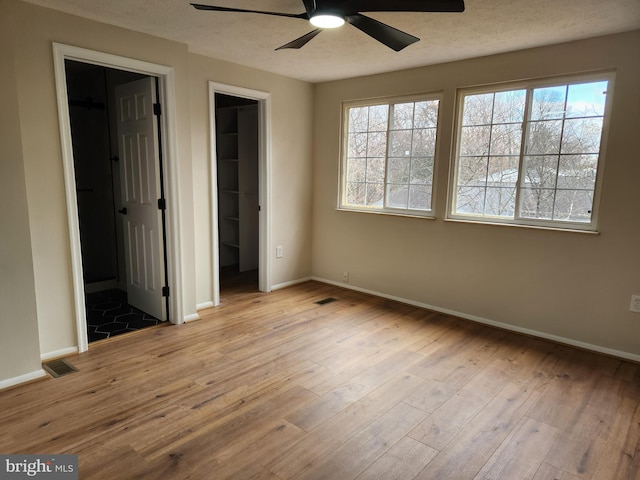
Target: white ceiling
{"points": [[486, 27]]}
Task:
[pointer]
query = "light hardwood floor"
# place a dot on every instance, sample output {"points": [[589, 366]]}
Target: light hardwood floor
{"points": [[274, 386]]}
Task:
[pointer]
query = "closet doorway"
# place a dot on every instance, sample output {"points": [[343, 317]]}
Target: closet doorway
{"points": [[238, 205], [240, 179]]}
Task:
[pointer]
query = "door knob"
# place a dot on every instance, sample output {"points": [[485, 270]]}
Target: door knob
{"points": [[123, 211]]}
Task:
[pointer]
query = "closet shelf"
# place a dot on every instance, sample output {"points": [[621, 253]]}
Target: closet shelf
{"points": [[237, 173]]}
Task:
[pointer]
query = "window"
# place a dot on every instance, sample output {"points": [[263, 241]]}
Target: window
{"points": [[388, 156], [531, 155]]}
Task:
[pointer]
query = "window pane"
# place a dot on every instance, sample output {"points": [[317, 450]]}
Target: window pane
{"points": [[426, 114], [501, 202], [377, 144], [375, 170], [502, 172], [356, 193], [424, 142], [358, 119], [470, 200], [422, 171], [540, 171], [587, 99], [375, 194], [501, 186], [400, 143], [548, 103], [573, 205], [475, 141], [399, 169], [582, 135], [478, 109], [420, 197], [537, 203], [473, 171], [506, 139], [398, 196], [544, 137], [357, 145], [356, 169], [378, 117], [402, 116], [578, 172], [509, 106]]}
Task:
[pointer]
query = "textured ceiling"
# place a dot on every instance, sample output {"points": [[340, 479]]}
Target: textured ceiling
{"points": [[486, 27]]}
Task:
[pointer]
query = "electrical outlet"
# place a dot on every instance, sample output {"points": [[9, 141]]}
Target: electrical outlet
{"points": [[279, 253], [345, 276], [635, 303]]}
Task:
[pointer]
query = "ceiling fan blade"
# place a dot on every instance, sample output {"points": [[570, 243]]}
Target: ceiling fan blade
{"points": [[397, 5], [392, 37], [225, 9], [302, 41]]}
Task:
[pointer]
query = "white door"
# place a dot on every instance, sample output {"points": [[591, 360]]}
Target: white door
{"points": [[248, 204], [140, 183]]}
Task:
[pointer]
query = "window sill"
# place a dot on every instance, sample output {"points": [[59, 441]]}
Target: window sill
{"points": [[519, 225], [386, 213]]}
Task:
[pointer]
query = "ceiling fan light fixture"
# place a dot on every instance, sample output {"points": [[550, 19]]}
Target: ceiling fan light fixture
{"points": [[327, 21]]}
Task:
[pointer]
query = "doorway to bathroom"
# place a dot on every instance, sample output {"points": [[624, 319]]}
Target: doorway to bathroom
{"points": [[119, 190]]}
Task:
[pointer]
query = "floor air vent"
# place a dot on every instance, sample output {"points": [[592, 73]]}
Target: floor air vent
{"points": [[58, 368], [326, 300]]}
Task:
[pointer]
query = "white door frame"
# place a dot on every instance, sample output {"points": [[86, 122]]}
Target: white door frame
{"points": [[165, 75], [264, 186]]}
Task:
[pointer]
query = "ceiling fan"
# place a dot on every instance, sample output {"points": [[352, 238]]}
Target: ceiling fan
{"points": [[334, 13]]}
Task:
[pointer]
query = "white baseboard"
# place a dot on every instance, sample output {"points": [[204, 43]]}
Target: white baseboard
{"points": [[58, 353], [27, 377], [293, 282], [191, 318], [505, 326], [205, 305]]}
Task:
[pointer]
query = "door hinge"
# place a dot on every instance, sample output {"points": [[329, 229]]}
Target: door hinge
{"points": [[162, 204], [157, 109], [165, 291]]}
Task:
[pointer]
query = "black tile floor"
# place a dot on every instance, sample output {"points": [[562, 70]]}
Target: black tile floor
{"points": [[109, 314]]}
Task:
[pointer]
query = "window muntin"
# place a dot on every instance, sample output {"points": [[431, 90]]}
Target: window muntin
{"points": [[389, 156], [531, 155]]}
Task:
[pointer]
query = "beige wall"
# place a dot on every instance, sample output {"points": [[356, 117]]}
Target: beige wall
{"points": [[30, 32], [572, 285], [291, 136], [20, 354]]}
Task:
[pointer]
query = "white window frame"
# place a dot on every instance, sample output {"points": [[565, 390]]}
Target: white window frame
{"points": [[342, 190], [530, 85]]}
